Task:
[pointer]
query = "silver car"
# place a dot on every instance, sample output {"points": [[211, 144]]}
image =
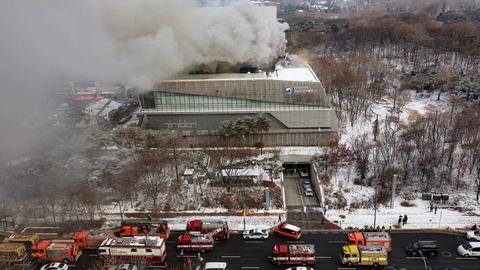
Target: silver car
{"points": [[308, 192], [256, 234], [473, 235]]}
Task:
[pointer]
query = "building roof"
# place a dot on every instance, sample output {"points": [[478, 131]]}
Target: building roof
{"points": [[288, 69]]}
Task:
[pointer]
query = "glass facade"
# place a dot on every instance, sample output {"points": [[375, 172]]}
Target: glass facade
{"points": [[174, 102]]}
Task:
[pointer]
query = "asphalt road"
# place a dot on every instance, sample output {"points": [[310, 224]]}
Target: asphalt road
{"points": [[241, 254]]}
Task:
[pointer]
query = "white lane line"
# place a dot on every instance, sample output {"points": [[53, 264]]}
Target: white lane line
{"points": [[187, 256], [323, 257], [414, 258], [336, 242], [231, 256], [253, 242], [464, 258], [93, 255], [295, 242]]}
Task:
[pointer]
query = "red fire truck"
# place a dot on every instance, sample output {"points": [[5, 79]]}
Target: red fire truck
{"points": [[56, 251], [217, 228], [293, 254], [148, 249], [136, 227], [381, 239], [90, 239], [195, 242]]}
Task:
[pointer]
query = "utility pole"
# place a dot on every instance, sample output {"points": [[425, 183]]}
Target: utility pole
{"points": [[394, 185], [375, 207]]}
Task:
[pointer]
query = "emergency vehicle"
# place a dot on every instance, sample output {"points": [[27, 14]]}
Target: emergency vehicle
{"points": [[381, 239], [27, 239], [364, 255], [195, 242], [148, 249], [56, 251], [288, 230], [293, 254], [135, 227], [90, 239], [217, 228], [12, 252]]}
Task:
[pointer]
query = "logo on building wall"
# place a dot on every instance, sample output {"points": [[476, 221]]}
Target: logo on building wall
{"points": [[288, 91], [296, 91]]}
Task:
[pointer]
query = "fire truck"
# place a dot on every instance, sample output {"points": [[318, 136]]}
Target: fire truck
{"points": [[217, 228], [90, 239], [381, 239], [27, 239], [148, 249], [136, 227], [195, 242], [12, 253], [56, 251], [364, 255], [293, 254]]}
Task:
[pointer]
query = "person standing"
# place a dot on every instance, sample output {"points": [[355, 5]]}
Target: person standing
{"points": [[405, 219], [399, 220], [431, 207], [435, 209]]}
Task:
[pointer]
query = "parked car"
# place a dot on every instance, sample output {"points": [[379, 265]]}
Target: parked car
{"points": [[303, 172], [256, 234], [469, 249], [216, 266], [288, 230], [55, 266], [300, 268], [473, 235], [308, 192], [306, 181], [422, 248], [127, 266], [307, 186]]}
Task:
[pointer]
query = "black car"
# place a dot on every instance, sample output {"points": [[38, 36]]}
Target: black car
{"points": [[422, 248]]}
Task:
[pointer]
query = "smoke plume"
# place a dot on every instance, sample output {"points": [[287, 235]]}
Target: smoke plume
{"points": [[134, 42]]}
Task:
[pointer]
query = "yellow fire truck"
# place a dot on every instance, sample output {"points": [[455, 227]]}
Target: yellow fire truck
{"points": [[12, 252], [364, 255]]}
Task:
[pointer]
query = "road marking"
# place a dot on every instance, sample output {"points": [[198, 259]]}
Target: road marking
{"points": [[250, 267], [414, 258], [295, 242], [187, 256], [269, 257], [92, 255], [323, 257], [465, 258], [254, 242], [336, 242], [231, 256]]}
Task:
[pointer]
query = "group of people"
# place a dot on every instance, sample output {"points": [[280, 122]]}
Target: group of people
{"points": [[402, 220]]}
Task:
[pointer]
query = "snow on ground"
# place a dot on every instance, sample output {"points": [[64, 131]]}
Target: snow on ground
{"points": [[234, 222], [419, 216]]}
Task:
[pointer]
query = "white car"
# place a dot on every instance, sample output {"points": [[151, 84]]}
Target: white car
{"points": [[303, 172], [127, 266], [215, 266], [469, 249], [256, 234], [299, 268], [308, 192], [473, 235], [55, 266]]}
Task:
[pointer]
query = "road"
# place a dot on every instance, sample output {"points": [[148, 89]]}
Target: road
{"points": [[241, 254]]}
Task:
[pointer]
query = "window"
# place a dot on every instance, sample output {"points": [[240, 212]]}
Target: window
{"points": [[134, 250], [148, 250]]}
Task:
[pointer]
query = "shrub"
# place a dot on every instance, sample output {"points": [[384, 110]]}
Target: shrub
{"points": [[408, 196], [407, 204]]}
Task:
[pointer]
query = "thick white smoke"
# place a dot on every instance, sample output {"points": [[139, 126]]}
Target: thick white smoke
{"points": [[135, 42]]}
